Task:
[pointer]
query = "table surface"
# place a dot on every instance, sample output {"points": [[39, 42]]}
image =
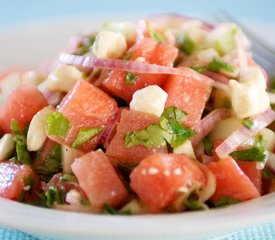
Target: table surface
{"points": [[12, 14]]}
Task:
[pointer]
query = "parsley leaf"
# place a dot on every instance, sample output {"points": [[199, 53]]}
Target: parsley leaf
{"points": [[130, 78], [225, 201], [84, 135], [19, 137], [254, 154], [152, 136], [156, 36], [57, 124], [186, 45], [217, 65]]}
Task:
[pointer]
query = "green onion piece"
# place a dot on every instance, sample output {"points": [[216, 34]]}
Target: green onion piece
{"points": [[57, 124], [225, 201], [84, 135], [131, 78], [152, 136], [19, 137], [254, 154], [217, 65], [157, 36], [174, 113], [248, 123]]}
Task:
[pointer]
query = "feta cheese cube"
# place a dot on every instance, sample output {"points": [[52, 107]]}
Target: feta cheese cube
{"points": [[150, 99], [254, 76], [109, 44], [248, 99], [128, 29], [63, 78], [185, 148]]}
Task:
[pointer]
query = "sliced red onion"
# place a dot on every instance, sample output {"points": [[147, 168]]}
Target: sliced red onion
{"points": [[242, 134], [131, 66], [217, 77], [208, 123], [199, 151], [53, 98], [206, 159], [109, 131]]}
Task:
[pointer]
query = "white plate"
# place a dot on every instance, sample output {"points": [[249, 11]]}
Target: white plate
{"points": [[38, 42]]}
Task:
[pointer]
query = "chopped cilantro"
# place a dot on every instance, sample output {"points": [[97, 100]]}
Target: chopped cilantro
{"points": [[84, 135], [199, 69], [225, 201], [57, 124], [156, 36], [85, 46], [267, 174], [248, 123], [54, 195], [186, 45], [156, 135], [208, 145], [254, 154], [218, 65], [110, 210], [51, 165], [130, 78], [152, 136], [19, 137]]}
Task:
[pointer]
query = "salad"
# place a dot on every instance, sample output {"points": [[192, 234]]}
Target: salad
{"points": [[167, 114]]}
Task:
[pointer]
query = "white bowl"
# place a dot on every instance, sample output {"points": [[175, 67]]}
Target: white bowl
{"points": [[35, 43]]}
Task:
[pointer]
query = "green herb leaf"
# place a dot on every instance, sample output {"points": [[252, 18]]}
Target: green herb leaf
{"points": [[57, 124], [19, 137], [51, 165], [218, 65], [225, 201], [199, 69], [267, 174], [54, 195], [152, 136], [110, 210], [208, 145], [186, 45], [85, 46], [173, 113], [130, 78], [248, 123], [68, 177], [156, 36], [84, 135], [254, 154]]}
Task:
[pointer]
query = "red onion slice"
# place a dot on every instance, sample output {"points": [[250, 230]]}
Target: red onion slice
{"points": [[242, 134], [208, 123], [131, 66]]}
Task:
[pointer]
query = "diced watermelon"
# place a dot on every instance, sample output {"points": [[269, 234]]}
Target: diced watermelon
{"points": [[158, 178], [131, 121], [12, 177], [188, 93], [85, 106], [231, 181], [21, 105], [162, 54], [99, 180], [254, 174]]}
